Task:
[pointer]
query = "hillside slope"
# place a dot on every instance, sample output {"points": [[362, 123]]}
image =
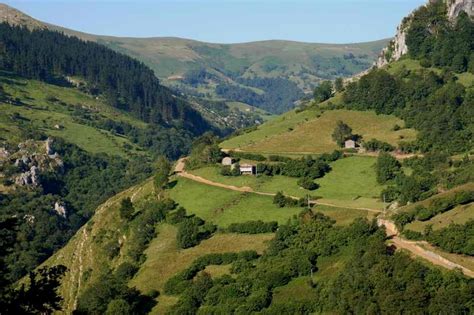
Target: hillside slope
{"points": [[247, 72]]}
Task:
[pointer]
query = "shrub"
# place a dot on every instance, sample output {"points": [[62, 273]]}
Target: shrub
{"points": [[125, 271], [253, 227], [412, 235], [422, 214], [377, 145], [307, 183], [126, 209]]}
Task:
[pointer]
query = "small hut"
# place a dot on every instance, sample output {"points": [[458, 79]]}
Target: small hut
{"points": [[247, 169], [350, 144], [227, 161]]}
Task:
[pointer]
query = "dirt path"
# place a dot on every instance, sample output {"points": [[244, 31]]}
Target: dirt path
{"points": [[392, 231], [417, 250], [179, 170]]}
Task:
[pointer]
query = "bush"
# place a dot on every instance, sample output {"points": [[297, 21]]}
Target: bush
{"points": [[387, 167], [125, 271], [422, 214], [307, 183], [412, 235], [283, 201], [253, 227], [403, 218], [192, 230], [126, 209], [376, 145]]}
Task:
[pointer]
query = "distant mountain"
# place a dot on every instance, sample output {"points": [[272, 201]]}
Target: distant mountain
{"points": [[272, 75]]}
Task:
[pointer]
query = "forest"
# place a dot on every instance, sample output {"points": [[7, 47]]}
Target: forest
{"points": [[279, 97], [126, 83]]}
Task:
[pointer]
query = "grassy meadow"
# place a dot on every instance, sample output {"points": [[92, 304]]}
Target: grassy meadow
{"points": [[310, 131], [164, 258], [350, 183], [45, 105]]}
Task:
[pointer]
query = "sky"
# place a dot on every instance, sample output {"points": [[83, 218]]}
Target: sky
{"points": [[228, 21]]}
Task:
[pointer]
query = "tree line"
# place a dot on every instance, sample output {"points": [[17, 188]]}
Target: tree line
{"points": [[125, 83]]}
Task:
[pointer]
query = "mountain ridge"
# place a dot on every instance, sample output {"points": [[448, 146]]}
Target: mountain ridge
{"points": [[282, 70]]}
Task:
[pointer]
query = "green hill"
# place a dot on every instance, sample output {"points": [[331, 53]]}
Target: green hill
{"points": [[272, 75]]}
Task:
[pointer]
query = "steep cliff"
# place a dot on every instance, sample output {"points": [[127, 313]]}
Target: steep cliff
{"points": [[398, 47]]}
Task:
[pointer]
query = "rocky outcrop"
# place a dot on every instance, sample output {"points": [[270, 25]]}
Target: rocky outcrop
{"points": [[60, 209], [31, 159], [398, 47], [28, 178], [455, 7]]}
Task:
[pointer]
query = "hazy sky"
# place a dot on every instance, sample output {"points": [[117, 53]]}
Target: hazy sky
{"points": [[228, 21]]}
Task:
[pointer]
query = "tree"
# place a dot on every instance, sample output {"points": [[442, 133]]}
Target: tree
{"points": [[118, 307], [323, 91], [307, 183], [162, 173], [279, 199], [40, 296], [188, 233], [339, 85], [126, 209], [341, 133], [387, 167]]}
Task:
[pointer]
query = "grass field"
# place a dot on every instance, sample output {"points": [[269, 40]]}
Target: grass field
{"points": [[350, 183], [223, 207], [40, 110], [343, 216], [164, 258], [458, 215], [305, 132]]}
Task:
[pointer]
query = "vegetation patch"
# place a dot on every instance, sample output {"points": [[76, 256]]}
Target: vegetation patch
{"points": [[305, 132]]}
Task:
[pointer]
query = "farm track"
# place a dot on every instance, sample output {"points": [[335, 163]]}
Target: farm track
{"points": [[413, 247], [416, 249], [179, 170]]}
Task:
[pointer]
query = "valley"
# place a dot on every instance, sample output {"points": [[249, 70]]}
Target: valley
{"points": [[170, 176]]}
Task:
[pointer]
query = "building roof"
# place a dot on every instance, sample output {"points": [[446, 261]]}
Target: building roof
{"points": [[247, 165]]}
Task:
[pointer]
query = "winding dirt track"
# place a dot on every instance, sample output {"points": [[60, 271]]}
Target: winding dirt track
{"points": [[416, 249], [413, 247], [179, 170]]}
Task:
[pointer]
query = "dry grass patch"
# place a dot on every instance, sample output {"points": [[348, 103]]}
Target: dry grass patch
{"points": [[164, 258], [307, 133]]}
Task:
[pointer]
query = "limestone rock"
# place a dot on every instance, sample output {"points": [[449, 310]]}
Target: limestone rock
{"points": [[455, 7], [60, 209], [398, 47]]}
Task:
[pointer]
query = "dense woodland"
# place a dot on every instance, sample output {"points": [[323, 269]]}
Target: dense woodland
{"points": [[126, 83], [374, 279], [279, 94]]}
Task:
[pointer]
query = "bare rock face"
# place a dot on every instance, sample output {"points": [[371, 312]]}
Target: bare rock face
{"points": [[4, 153], [28, 178], [398, 47], [455, 7], [32, 159], [60, 209], [48, 148]]}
